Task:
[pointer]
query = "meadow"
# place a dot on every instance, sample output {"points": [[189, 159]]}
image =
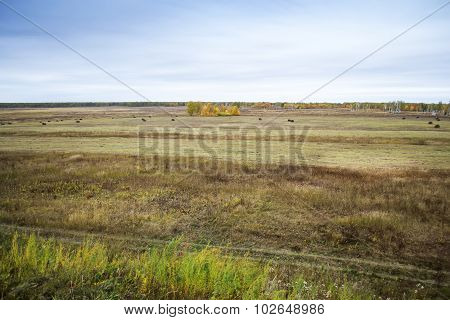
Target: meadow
{"points": [[361, 213]]}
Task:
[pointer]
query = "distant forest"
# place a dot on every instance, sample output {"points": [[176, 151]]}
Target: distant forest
{"points": [[88, 104], [393, 106]]}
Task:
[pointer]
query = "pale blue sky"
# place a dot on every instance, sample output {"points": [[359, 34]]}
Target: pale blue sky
{"points": [[224, 50]]}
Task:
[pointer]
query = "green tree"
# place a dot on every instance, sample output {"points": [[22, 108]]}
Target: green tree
{"points": [[193, 107]]}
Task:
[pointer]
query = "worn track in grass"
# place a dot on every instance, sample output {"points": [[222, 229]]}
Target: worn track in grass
{"points": [[389, 270]]}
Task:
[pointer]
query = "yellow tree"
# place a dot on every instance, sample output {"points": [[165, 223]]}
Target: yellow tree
{"points": [[207, 110], [234, 111]]}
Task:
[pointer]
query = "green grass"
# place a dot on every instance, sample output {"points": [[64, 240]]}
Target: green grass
{"points": [[36, 268]]}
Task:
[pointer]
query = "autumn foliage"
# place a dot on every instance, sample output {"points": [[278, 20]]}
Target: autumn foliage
{"points": [[210, 109]]}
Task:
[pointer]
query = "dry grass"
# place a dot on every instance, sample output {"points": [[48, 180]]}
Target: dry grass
{"points": [[394, 214], [153, 134]]}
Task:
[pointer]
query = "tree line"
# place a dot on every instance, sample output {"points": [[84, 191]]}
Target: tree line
{"points": [[232, 108], [210, 109]]}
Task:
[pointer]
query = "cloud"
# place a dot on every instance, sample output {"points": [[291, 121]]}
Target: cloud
{"points": [[225, 50]]}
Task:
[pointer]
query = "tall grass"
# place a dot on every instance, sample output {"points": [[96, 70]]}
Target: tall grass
{"points": [[36, 268]]}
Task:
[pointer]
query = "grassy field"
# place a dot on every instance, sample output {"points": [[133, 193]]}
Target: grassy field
{"points": [[365, 204], [342, 139]]}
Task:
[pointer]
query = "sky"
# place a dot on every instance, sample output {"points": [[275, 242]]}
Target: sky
{"points": [[246, 50]]}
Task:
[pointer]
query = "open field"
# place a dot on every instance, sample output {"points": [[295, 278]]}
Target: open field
{"points": [[339, 139], [366, 203]]}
